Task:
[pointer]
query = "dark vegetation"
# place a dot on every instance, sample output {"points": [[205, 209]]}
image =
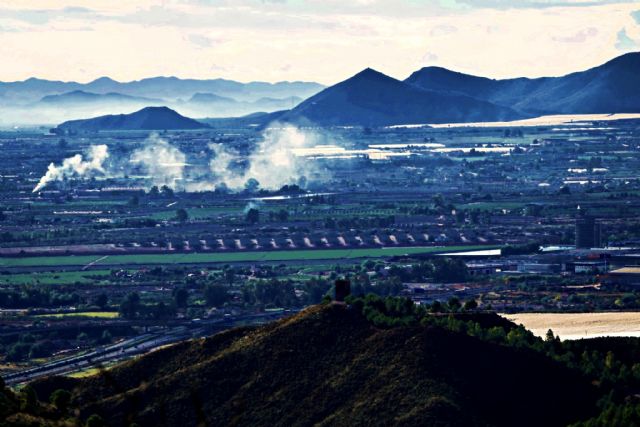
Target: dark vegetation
{"points": [[377, 361]]}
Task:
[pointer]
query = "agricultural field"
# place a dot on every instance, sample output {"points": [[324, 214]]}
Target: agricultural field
{"points": [[57, 278], [196, 258], [87, 314]]}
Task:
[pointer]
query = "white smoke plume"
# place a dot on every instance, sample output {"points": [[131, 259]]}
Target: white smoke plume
{"points": [[221, 166], [273, 163], [76, 166], [160, 160]]}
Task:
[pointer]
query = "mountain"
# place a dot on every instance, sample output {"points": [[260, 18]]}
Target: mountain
{"points": [[210, 98], [149, 118], [613, 87], [258, 120], [81, 97], [211, 105], [371, 98], [37, 101], [329, 365], [168, 88]]}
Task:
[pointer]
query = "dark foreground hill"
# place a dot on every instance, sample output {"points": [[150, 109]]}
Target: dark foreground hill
{"points": [[329, 365], [149, 118], [613, 87], [371, 98]]}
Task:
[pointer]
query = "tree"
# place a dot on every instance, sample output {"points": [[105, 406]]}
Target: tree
{"points": [[252, 185], [216, 295], [283, 215], [130, 306], [182, 215], [106, 337], [470, 305], [549, 337], [28, 399], [101, 300], [453, 304], [221, 188], [253, 216], [180, 296], [166, 191], [449, 270], [94, 420], [18, 351], [154, 191], [60, 399], [436, 307]]}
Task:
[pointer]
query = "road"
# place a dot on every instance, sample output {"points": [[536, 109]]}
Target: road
{"points": [[132, 347]]}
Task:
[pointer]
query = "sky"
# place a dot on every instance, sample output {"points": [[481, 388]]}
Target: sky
{"points": [[311, 40]]}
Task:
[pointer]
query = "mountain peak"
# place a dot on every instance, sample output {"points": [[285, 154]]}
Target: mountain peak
{"points": [[370, 73], [371, 98], [148, 118], [103, 80], [631, 59]]}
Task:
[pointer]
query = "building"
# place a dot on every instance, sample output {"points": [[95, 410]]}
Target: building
{"points": [[588, 232], [589, 267], [624, 276]]}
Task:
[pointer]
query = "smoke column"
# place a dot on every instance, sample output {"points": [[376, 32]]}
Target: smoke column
{"points": [[162, 161], [76, 166], [273, 163]]}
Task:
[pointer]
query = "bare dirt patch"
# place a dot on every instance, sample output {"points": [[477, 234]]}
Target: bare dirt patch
{"points": [[571, 326]]}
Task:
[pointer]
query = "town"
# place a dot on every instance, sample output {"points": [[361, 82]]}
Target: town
{"points": [[98, 268]]}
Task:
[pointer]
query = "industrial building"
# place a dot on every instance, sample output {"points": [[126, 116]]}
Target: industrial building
{"points": [[588, 232]]}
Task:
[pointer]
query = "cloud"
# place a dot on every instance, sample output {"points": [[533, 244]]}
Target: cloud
{"points": [[320, 40], [77, 10], [442, 30], [579, 37], [200, 40], [429, 58], [537, 4], [625, 43]]}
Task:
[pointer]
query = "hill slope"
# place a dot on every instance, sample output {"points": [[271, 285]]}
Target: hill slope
{"points": [[149, 118], [330, 366], [371, 98], [613, 87]]}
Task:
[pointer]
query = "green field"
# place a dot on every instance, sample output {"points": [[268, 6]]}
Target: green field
{"points": [[487, 206], [196, 213], [263, 256], [48, 278]]}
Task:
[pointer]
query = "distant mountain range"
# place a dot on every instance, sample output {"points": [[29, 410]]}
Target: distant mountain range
{"points": [[613, 87], [438, 95], [36, 101], [149, 118], [167, 88], [82, 97], [370, 98]]}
